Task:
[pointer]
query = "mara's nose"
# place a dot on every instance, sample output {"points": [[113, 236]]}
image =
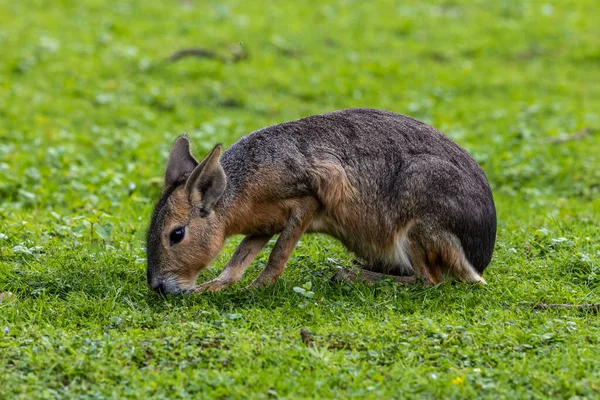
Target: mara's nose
{"points": [[160, 288]]}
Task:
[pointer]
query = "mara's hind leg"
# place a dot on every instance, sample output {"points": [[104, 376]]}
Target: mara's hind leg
{"points": [[367, 276], [382, 268], [433, 254], [372, 272]]}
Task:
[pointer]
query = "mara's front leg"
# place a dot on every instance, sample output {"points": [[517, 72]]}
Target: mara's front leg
{"points": [[242, 257], [297, 223]]}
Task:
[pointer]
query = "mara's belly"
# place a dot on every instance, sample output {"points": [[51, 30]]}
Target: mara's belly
{"points": [[371, 243]]}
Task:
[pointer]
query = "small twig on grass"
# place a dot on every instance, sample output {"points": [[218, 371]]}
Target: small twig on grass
{"points": [[594, 307], [194, 52], [582, 134], [238, 53], [305, 336]]}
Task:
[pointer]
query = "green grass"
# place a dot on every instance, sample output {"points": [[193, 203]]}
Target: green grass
{"points": [[88, 110]]}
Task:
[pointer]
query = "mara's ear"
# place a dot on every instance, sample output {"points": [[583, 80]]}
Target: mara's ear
{"points": [[207, 182], [181, 163]]}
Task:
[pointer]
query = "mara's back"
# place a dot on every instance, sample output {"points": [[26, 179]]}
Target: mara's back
{"points": [[377, 174]]}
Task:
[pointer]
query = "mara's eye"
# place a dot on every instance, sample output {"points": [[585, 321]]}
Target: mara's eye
{"points": [[177, 235]]}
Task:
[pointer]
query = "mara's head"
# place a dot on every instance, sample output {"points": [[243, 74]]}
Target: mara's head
{"points": [[185, 233]]}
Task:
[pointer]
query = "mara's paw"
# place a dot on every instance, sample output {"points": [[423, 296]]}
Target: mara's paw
{"points": [[256, 285], [261, 282], [212, 286]]}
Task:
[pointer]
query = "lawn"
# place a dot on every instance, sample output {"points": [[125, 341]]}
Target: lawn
{"points": [[90, 104]]}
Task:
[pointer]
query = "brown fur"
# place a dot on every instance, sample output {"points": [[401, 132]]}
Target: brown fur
{"points": [[362, 233], [299, 220], [257, 210], [245, 253], [332, 185], [433, 255], [200, 252], [396, 192]]}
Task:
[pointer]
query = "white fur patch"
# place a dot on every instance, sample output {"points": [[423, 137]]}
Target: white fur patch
{"points": [[399, 254], [318, 225], [469, 274]]}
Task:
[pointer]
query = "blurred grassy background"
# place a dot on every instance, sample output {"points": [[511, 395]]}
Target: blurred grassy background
{"points": [[89, 106]]}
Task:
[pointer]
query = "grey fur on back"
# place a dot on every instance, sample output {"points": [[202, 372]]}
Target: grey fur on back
{"points": [[402, 169]]}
